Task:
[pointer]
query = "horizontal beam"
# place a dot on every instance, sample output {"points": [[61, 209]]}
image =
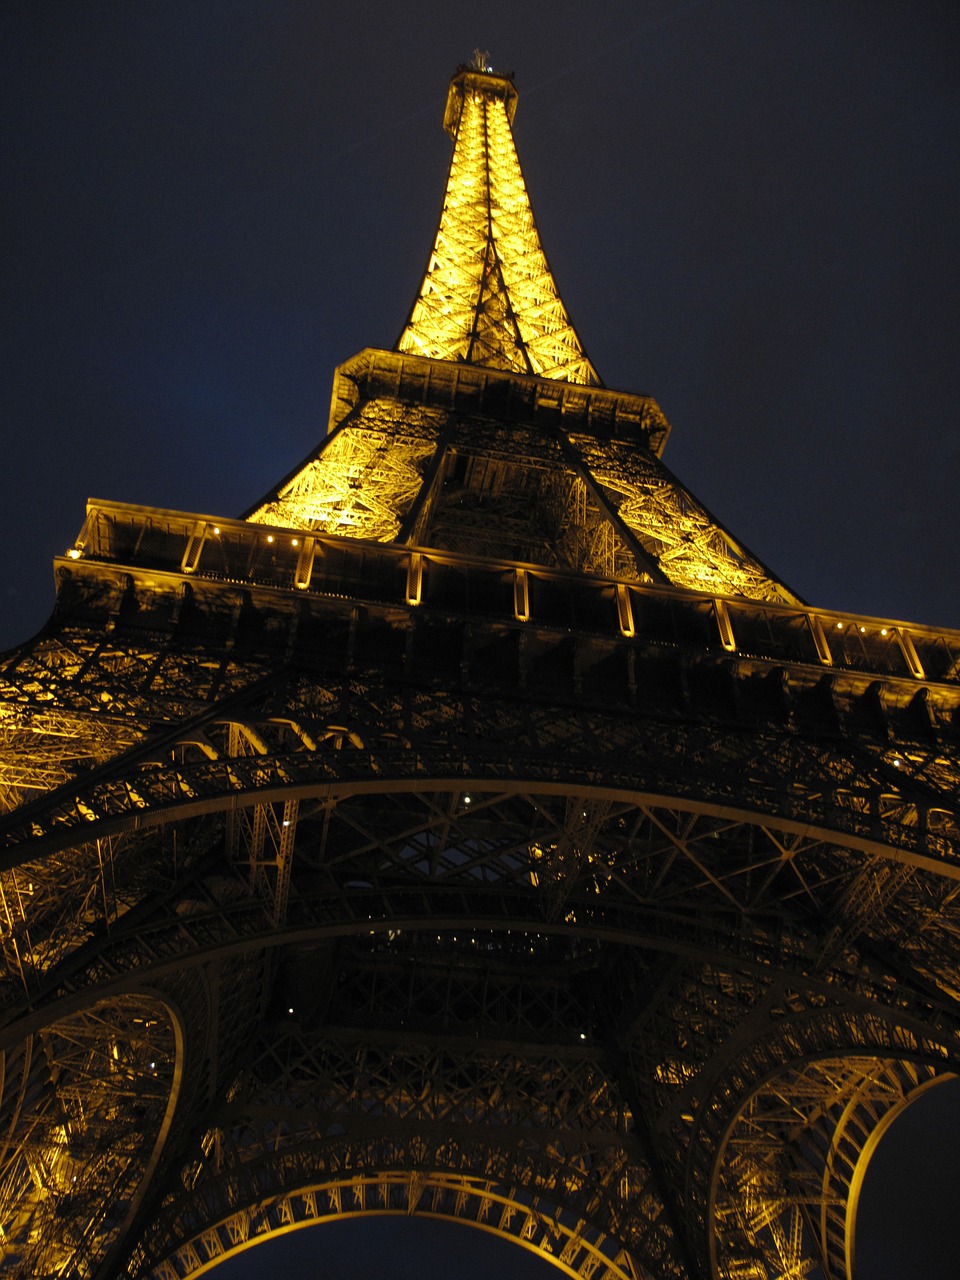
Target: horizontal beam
{"points": [[211, 554]]}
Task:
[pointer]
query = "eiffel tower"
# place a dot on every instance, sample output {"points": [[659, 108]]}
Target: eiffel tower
{"points": [[475, 829]]}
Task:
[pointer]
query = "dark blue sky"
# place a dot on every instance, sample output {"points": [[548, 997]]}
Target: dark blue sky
{"points": [[751, 209]]}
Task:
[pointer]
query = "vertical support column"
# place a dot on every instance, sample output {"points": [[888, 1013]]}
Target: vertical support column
{"points": [[304, 569], [724, 625], [910, 654], [288, 832], [194, 549], [625, 610], [820, 639], [521, 595], [414, 578]]}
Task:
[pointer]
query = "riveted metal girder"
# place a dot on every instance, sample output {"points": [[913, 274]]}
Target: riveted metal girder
{"points": [[488, 296], [476, 829]]}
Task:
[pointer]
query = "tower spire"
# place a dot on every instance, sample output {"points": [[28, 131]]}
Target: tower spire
{"points": [[488, 297]]}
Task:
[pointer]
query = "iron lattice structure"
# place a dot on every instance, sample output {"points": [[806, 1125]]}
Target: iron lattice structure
{"points": [[476, 829]]}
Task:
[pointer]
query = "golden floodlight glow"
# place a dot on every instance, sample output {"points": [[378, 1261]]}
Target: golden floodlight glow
{"points": [[398, 466], [706, 848], [488, 296]]}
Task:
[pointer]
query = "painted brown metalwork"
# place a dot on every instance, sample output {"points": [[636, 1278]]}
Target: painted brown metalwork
{"points": [[477, 829]]}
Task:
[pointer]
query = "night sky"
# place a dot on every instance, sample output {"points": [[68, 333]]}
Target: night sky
{"points": [[750, 208]]}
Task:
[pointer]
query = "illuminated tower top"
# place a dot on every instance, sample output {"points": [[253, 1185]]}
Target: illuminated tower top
{"points": [[488, 297], [487, 431]]}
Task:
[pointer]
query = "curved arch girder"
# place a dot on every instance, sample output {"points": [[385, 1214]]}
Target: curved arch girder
{"points": [[787, 1166], [329, 1120], [597, 864], [341, 736], [589, 865], [577, 1250], [86, 1104]]}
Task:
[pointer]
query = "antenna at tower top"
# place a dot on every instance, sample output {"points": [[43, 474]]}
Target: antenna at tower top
{"points": [[481, 60]]}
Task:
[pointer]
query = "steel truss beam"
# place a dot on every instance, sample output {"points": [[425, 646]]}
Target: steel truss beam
{"points": [[477, 829], [257, 826]]}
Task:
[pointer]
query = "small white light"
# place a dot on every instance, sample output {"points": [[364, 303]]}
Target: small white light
{"points": [[290, 1010], [286, 822], [269, 537], [74, 553], [466, 799], [295, 542], [839, 626], [216, 529], [153, 1066], [883, 631], [583, 1035], [863, 629]]}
